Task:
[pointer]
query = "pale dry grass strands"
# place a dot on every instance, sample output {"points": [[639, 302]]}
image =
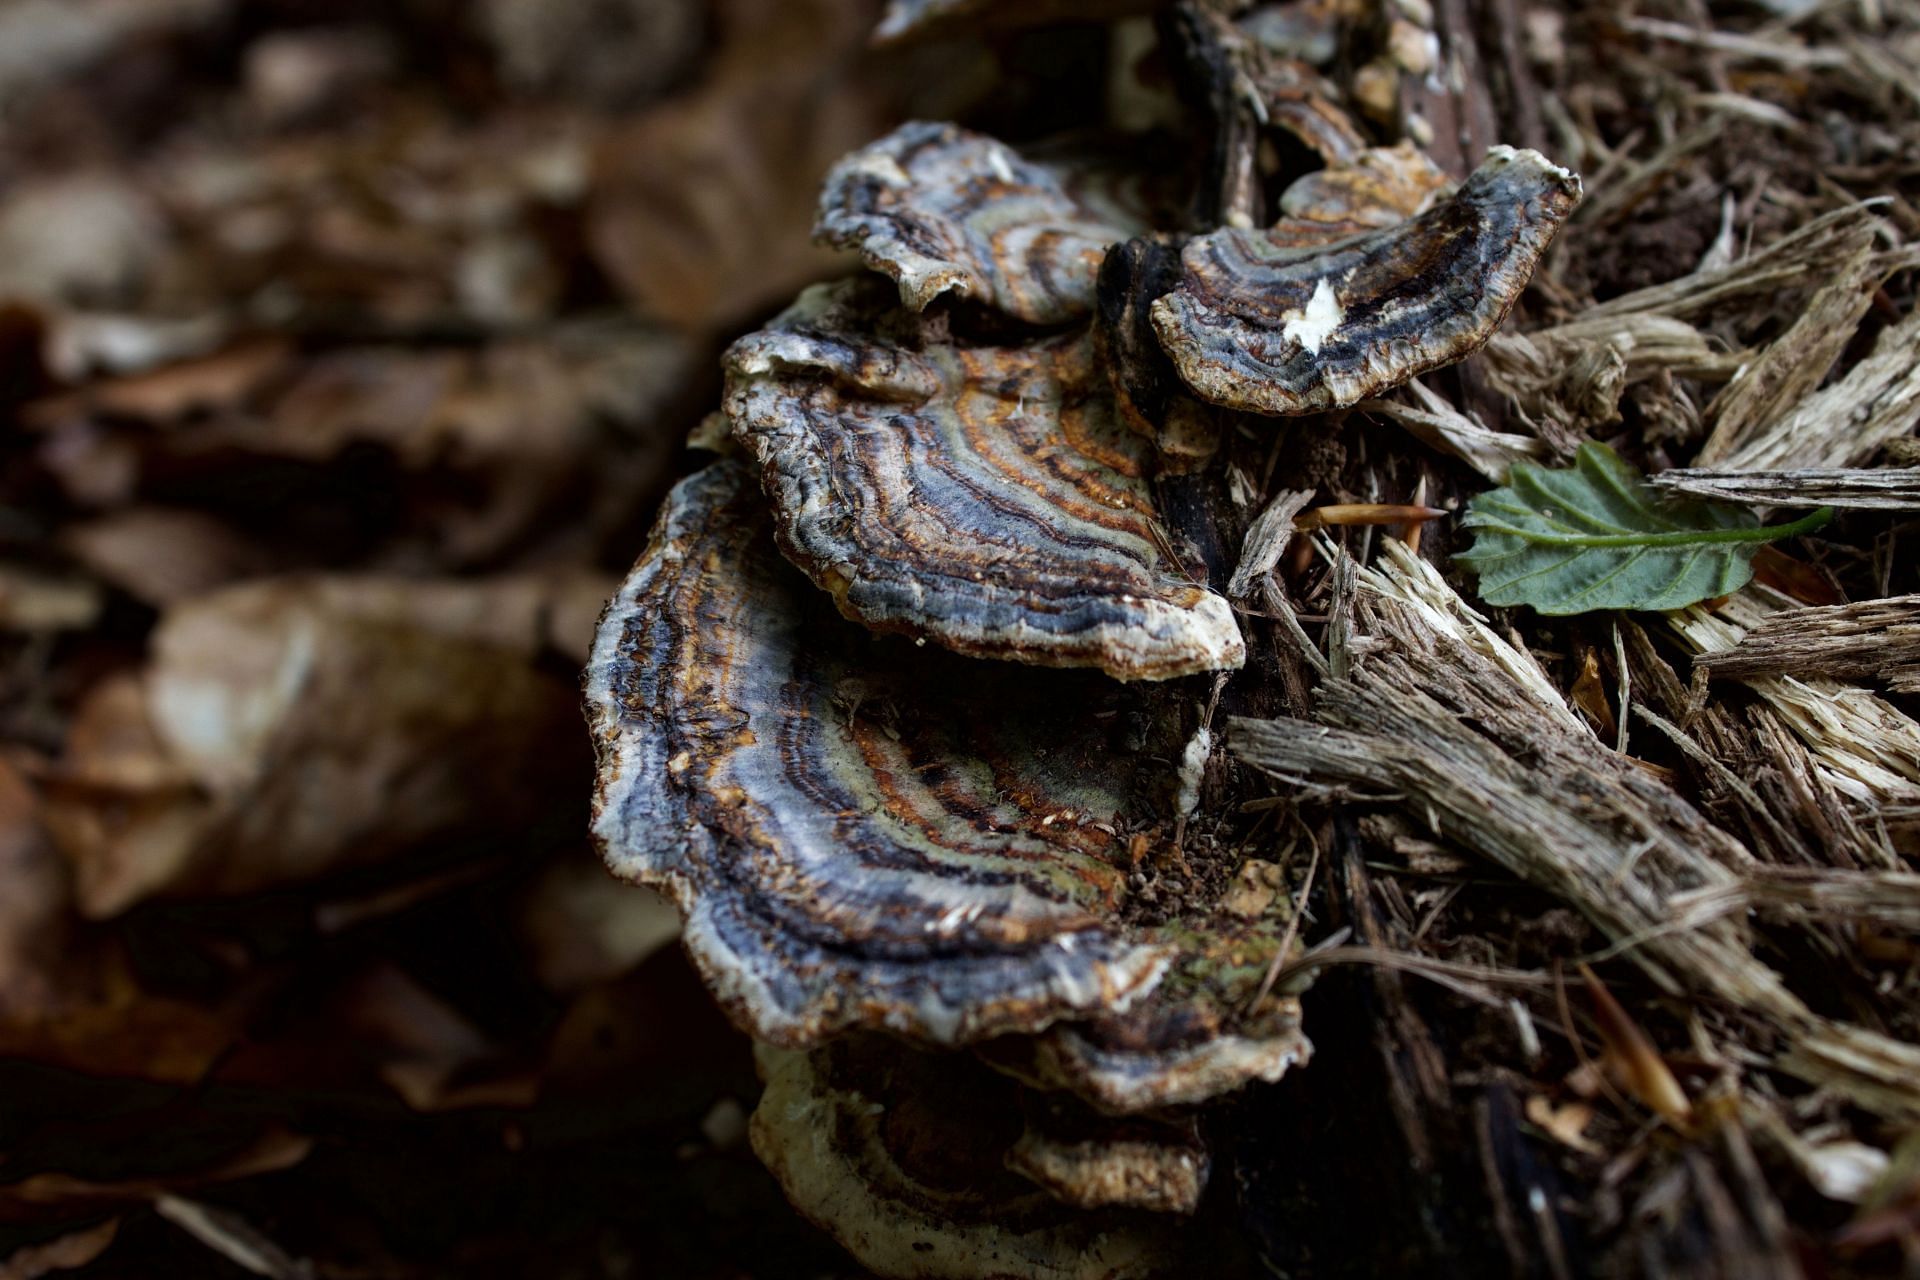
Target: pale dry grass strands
{"points": [[1437, 424], [1866, 747], [1500, 766]]}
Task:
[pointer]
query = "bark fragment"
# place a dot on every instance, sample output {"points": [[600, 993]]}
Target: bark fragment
{"points": [[1871, 640]]}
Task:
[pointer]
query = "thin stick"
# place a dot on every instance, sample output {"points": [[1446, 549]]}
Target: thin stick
{"points": [[1293, 928]]}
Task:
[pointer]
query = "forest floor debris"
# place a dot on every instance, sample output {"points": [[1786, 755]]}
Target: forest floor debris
{"points": [[346, 358]]}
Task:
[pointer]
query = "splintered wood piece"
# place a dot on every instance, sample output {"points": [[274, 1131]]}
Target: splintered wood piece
{"points": [[1863, 488], [1870, 640]]}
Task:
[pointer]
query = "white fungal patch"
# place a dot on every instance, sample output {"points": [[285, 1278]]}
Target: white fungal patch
{"points": [[881, 167], [1193, 769], [1521, 155], [1315, 323]]}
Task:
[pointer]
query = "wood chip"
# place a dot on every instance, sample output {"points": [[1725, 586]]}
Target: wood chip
{"points": [[1874, 639], [1871, 489]]}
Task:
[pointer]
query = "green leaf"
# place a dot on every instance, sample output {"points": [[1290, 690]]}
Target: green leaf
{"points": [[1597, 537]]}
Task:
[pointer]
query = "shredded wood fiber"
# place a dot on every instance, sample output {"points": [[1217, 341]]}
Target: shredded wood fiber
{"points": [[1436, 714]]}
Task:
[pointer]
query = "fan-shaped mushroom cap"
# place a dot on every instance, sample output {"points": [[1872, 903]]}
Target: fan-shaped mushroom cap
{"points": [[840, 858], [1096, 1162], [1296, 98], [1375, 188], [987, 498], [900, 1156], [865, 834], [940, 210], [1194, 1040], [1262, 323]]}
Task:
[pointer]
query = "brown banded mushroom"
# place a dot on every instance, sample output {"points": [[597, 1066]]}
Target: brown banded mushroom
{"points": [[1092, 1161], [1267, 325], [1193, 1042], [945, 211], [1378, 187], [1375, 188], [902, 1157], [915, 877], [1294, 97], [987, 498], [863, 834]]}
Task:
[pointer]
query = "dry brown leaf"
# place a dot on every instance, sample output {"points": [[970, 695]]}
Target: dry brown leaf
{"points": [[62, 1253], [162, 555], [68, 996], [1566, 1124], [274, 1149], [1634, 1059], [732, 234], [582, 926], [33, 919], [222, 380], [526, 423], [48, 39], [330, 721], [427, 1051], [1589, 693], [1804, 582], [604, 51], [303, 74], [77, 238], [457, 228], [33, 601]]}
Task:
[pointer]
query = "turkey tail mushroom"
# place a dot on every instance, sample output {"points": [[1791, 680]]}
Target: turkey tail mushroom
{"points": [[987, 498], [866, 835], [936, 890], [1263, 323], [942, 210], [1376, 188], [898, 1156], [845, 854], [1092, 1161]]}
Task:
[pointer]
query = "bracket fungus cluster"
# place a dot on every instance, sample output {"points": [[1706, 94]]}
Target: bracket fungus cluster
{"points": [[987, 497], [865, 835], [828, 701]]}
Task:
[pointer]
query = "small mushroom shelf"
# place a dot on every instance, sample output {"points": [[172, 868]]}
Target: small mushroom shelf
{"points": [[900, 693]]}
